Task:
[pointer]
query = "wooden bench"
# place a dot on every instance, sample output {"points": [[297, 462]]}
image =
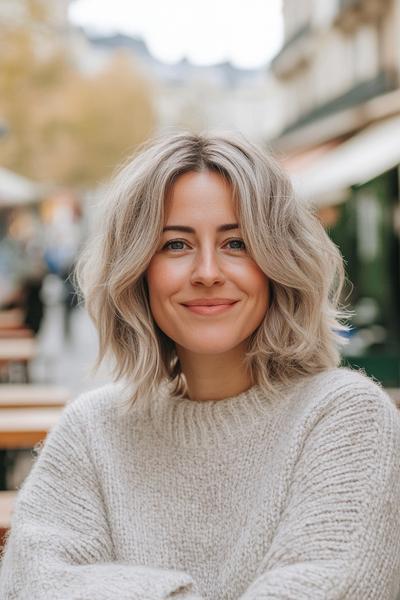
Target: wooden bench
{"points": [[20, 332], [26, 428], [22, 429], [7, 501], [32, 395]]}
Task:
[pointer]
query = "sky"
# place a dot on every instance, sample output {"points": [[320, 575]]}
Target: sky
{"points": [[246, 32]]}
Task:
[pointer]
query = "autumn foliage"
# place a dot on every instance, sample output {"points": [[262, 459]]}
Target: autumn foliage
{"points": [[63, 125]]}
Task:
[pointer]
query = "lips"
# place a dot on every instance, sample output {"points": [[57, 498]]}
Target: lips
{"points": [[209, 302], [210, 307]]}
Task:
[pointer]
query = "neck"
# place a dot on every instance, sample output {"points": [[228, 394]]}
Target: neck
{"points": [[214, 376]]}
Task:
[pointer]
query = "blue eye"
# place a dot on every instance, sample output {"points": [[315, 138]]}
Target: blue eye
{"points": [[169, 245], [238, 244], [177, 245]]}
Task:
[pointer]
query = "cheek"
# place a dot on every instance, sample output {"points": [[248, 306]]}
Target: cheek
{"points": [[162, 281], [259, 290], [255, 283], [155, 278], [262, 290]]}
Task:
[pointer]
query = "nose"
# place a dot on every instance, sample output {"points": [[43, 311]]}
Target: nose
{"points": [[206, 269]]}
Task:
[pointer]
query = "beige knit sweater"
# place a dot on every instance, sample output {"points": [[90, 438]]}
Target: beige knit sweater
{"points": [[242, 498]]}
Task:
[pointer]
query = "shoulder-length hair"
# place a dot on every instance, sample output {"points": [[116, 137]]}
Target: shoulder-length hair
{"points": [[300, 334]]}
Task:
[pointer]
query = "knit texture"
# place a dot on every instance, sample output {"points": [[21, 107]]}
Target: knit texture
{"points": [[246, 498]]}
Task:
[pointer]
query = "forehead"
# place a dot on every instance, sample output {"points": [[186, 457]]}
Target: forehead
{"points": [[205, 195]]}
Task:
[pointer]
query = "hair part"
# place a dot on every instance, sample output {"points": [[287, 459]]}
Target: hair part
{"points": [[301, 332]]}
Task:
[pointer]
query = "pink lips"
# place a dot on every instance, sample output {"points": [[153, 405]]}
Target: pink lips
{"points": [[209, 301], [214, 306]]}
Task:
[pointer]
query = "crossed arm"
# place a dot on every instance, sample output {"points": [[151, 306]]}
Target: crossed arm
{"points": [[338, 537], [60, 547]]}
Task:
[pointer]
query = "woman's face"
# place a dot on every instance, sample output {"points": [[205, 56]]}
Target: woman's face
{"points": [[202, 258]]}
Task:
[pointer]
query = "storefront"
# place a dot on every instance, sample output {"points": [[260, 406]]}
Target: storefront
{"points": [[355, 185]]}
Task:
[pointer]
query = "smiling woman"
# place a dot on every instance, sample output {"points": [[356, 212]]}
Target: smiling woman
{"points": [[139, 271], [232, 458]]}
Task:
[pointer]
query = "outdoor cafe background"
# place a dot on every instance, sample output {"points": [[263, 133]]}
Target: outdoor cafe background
{"points": [[74, 102]]}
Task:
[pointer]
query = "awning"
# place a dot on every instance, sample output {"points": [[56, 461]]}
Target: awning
{"points": [[375, 150], [16, 190]]}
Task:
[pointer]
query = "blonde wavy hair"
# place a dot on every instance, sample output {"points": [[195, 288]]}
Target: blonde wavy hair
{"points": [[301, 332]]}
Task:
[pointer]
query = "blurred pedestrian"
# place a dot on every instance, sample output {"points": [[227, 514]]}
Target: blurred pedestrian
{"points": [[27, 296], [70, 299]]}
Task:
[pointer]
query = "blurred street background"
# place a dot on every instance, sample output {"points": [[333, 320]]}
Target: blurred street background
{"points": [[321, 89]]}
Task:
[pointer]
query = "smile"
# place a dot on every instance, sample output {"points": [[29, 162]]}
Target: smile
{"points": [[209, 310]]}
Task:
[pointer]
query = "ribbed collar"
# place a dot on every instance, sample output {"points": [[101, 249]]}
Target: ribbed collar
{"points": [[191, 423]]}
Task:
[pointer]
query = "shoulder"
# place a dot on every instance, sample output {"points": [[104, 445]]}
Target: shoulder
{"points": [[346, 396], [95, 406], [82, 421], [343, 382]]}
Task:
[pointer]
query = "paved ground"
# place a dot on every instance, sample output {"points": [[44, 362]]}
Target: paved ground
{"points": [[68, 360]]}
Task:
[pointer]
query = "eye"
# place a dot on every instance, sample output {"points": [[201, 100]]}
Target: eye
{"points": [[174, 245], [237, 244]]}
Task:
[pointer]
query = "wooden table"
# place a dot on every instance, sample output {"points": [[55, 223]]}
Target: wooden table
{"points": [[25, 428], [17, 332], [13, 317], [17, 350], [32, 395]]}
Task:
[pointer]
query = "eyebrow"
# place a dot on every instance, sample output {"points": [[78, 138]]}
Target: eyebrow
{"points": [[186, 229]]}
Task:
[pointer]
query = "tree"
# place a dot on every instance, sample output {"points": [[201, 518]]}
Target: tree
{"points": [[64, 126]]}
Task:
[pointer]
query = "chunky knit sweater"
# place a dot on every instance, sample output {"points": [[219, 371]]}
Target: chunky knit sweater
{"points": [[296, 498]]}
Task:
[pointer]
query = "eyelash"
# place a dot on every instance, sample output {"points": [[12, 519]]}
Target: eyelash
{"points": [[166, 246]]}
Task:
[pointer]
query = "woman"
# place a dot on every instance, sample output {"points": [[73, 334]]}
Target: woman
{"points": [[232, 458]]}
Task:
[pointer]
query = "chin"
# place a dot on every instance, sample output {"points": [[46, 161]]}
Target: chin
{"points": [[209, 347]]}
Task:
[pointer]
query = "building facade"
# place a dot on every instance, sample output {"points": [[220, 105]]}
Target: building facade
{"points": [[194, 97], [339, 69]]}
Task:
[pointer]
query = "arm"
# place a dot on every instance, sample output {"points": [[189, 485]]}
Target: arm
{"points": [[339, 535], [60, 546]]}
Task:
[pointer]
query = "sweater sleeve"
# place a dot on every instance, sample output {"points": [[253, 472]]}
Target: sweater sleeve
{"points": [[339, 535], [60, 546]]}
